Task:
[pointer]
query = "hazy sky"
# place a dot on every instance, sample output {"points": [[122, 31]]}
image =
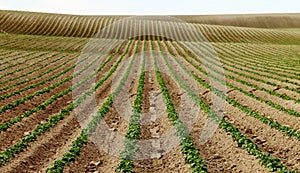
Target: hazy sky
{"points": [[148, 7]]}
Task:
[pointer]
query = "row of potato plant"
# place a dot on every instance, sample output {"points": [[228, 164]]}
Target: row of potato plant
{"points": [[9, 153], [4, 126], [274, 164], [133, 134], [35, 70], [287, 130], [270, 103], [74, 151], [193, 158], [23, 62], [37, 93], [24, 68], [255, 71]]}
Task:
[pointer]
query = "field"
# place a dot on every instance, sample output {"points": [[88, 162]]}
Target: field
{"points": [[149, 94]]}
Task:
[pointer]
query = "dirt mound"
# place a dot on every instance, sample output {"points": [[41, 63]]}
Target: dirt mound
{"points": [[151, 37]]}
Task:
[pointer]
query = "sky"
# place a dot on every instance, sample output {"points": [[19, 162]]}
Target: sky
{"points": [[153, 7]]}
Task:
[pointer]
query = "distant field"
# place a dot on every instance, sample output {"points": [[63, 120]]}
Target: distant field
{"points": [[248, 20], [241, 72]]}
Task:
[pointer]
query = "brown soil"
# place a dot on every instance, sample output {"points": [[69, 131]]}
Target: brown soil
{"points": [[284, 91], [47, 76], [220, 148], [36, 57], [157, 129], [35, 101], [33, 150], [36, 73], [44, 147], [92, 152], [273, 140], [151, 37]]}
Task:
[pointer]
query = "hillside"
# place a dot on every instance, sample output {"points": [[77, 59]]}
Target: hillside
{"points": [[248, 20], [28, 23]]}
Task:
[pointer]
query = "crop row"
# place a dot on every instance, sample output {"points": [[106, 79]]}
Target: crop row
{"points": [[81, 140], [23, 62], [37, 93], [274, 164], [79, 26], [200, 38], [15, 56], [193, 157], [236, 60], [33, 71], [239, 34], [287, 130], [34, 43], [6, 125], [23, 68], [252, 59], [271, 54], [257, 56], [133, 134], [56, 25], [257, 70], [4, 54], [31, 86], [222, 34], [282, 96], [42, 128]]}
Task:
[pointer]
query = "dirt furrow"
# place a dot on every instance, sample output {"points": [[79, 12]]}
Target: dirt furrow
{"points": [[268, 111], [36, 57], [112, 122], [59, 152], [220, 152], [235, 68], [40, 79], [264, 109], [30, 122], [68, 132], [44, 147], [264, 85], [155, 133], [252, 63], [8, 56], [19, 130], [91, 152], [35, 101], [258, 83], [34, 71], [267, 138], [160, 149]]}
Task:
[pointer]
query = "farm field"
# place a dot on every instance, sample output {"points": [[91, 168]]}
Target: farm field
{"points": [[149, 94]]}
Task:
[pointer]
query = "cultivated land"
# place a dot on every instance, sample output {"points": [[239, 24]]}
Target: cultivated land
{"points": [[41, 130]]}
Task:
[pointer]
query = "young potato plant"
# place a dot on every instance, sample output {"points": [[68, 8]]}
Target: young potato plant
{"points": [[77, 144], [274, 164]]}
